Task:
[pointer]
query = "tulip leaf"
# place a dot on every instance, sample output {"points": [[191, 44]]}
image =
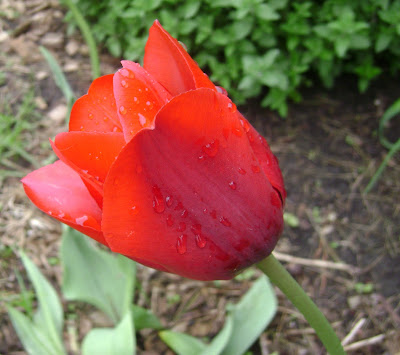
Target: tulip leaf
{"points": [[251, 316], [44, 331], [111, 341], [33, 338], [221, 340], [181, 343], [145, 319], [95, 276]]}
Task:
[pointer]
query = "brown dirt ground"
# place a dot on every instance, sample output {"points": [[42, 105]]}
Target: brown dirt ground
{"points": [[328, 151]]}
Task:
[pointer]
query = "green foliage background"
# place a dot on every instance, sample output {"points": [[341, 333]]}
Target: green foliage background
{"points": [[261, 48]]}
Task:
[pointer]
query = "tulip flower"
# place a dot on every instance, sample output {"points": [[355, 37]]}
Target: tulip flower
{"points": [[160, 166]]}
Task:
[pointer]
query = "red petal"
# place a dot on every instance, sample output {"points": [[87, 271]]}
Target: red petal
{"points": [[96, 111], [94, 186], [267, 161], [91, 152], [185, 195], [171, 65], [138, 97], [59, 191]]}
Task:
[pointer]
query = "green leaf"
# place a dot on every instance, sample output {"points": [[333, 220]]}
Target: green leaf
{"points": [[34, 339], [111, 341], [49, 316], [181, 343], [220, 341], [97, 277], [251, 316], [144, 318]]}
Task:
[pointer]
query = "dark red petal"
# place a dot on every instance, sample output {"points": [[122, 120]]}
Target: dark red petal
{"points": [[267, 161], [171, 65], [96, 111], [59, 191], [186, 196], [137, 99], [91, 152]]}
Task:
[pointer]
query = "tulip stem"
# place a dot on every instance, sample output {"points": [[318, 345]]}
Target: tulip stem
{"points": [[293, 291]]}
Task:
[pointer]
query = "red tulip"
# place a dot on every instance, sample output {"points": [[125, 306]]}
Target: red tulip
{"points": [[160, 166]]}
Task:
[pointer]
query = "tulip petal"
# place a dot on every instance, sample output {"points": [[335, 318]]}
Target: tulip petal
{"points": [[267, 161], [138, 98], [58, 190], [190, 195], [171, 65], [96, 111], [90, 152]]}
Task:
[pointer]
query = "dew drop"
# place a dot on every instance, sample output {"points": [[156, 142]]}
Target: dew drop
{"points": [[184, 214], [127, 73], [202, 158], [90, 116], [81, 220], [105, 118], [242, 171], [170, 221], [205, 211], [221, 90], [181, 244], [211, 149], [115, 129], [225, 222], [237, 132], [181, 227], [255, 168], [232, 185], [168, 201], [122, 110], [200, 241], [124, 84], [250, 136], [82, 128], [149, 104], [142, 119], [231, 107], [158, 201], [245, 124], [135, 210], [135, 100]]}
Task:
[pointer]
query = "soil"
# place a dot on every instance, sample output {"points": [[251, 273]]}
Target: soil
{"points": [[328, 151]]}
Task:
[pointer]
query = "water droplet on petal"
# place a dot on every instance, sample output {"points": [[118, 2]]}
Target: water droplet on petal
{"points": [[124, 84], [127, 73], [122, 110], [81, 220], [184, 214], [115, 129], [105, 118], [168, 201], [250, 136], [237, 132], [82, 128], [181, 244], [170, 221], [135, 100], [221, 90], [181, 227], [225, 221], [202, 158], [90, 116], [158, 201], [255, 168], [242, 171], [232, 185], [245, 124], [200, 241], [142, 119], [135, 210], [149, 104], [231, 107], [211, 149]]}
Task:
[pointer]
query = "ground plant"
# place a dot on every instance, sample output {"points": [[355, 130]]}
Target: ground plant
{"points": [[259, 48]]}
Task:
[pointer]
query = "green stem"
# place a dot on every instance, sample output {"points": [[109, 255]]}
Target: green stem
{"points": [[288, 285], [87, 34]]}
